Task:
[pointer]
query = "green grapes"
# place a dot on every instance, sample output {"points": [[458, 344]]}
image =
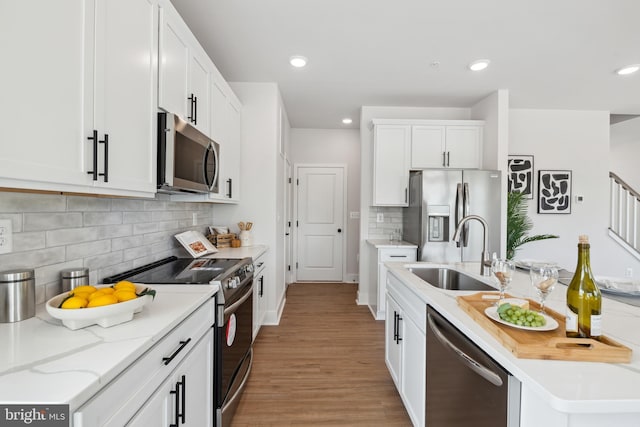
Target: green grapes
{"points": [[520, 316]]}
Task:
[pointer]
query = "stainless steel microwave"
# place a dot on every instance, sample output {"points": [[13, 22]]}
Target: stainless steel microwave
{"points": [[188, 160]]}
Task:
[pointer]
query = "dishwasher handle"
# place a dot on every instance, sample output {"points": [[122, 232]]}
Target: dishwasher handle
{"points": [[475, 366]]}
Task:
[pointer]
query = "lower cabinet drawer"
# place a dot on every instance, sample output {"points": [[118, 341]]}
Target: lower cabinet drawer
{"points": [[118, 401], [397, 255]]}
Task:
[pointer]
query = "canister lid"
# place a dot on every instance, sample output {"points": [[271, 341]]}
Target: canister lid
{"points": [[16, 275], [72, 273]]}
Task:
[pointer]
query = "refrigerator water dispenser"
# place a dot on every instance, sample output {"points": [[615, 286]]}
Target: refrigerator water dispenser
{"points": [[438, 221]]}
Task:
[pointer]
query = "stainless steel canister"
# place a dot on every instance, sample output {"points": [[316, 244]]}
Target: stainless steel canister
{"points": [[17, 295], [74, 277]]}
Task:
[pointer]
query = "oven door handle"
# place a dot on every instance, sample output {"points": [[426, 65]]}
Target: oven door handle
{"points": [[238, 303], [244, 380]]}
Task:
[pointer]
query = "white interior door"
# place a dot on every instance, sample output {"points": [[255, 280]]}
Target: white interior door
{"points": [[320, 223]]}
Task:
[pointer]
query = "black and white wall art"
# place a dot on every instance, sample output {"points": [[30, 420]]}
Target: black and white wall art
{"points": [[554, 192], [521, 175]]}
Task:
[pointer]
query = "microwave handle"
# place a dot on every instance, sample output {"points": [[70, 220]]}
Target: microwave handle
{"points": [[210, 183]]}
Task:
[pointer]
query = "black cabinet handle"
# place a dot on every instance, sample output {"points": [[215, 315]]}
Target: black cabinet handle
{"points": [[399, 337], [176, 401], [94, 138], [444, 159], [105, 141], [191, 117], [230, 182], [395, 326], [183, 398], [195, 110], [448, 153], [261, 291], [168, 360]]}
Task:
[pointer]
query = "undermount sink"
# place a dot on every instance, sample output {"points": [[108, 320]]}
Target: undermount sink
{"points": [[446, 278]]}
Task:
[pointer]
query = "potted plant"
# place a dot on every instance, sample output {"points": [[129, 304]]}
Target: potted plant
{"points": [[519, 224]]}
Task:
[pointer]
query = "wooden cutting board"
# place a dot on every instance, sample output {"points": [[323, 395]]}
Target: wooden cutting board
{"points": [[550, 345]]}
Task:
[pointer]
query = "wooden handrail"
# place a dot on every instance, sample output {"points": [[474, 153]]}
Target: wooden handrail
{"points": [[624, 185]]}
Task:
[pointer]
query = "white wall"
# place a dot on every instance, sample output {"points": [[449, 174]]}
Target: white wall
{"points": [[260, 184], [366, 174], [335, 146], [625, 151], [577, 141]]}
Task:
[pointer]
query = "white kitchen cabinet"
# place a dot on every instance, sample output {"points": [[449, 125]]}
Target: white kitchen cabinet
{"points": [[189, 385], [382, 253], [446, 146], [405, 347], [391, 159], [100, 74], [259, 296], [142, 393], [184, 71], [226, 131]]}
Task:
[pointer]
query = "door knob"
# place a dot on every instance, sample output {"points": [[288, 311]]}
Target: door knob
{"points": [[339, 230]]}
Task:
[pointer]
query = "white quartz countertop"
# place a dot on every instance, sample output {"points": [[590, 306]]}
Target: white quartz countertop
{"points": [[43, 362], [567, 386], [386, 243], [242, 252]]}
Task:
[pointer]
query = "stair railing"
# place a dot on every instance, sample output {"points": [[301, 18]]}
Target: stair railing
{"points": [[624, 222]]}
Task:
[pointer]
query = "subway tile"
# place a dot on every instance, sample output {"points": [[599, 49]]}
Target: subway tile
{"points": [[102, 218], [68, 236], [143, 228], [83, 250], [144, 260], [40, 293], [163, 246], [52, 289], [84, 204], [139, 252], [32, 259], [16, 220], [113, 269], [154, 205], [123, 205], [161, 215], [101, 261], [136, 217], [126, 242], [28, 241], [51, 221], [168, 225], [113, 231], [26, 202], [158, 236]]}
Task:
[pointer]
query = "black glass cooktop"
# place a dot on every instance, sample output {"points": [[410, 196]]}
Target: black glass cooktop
{"points": [[174, 270]]}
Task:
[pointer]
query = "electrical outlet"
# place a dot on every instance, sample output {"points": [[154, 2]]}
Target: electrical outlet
{"points": [[194, 218], [380, 217], [6, 236], [628, 272], [354, 215]]}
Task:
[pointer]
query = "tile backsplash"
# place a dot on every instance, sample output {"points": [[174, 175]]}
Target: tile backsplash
{"points": [[106, 235], [392, 220]]}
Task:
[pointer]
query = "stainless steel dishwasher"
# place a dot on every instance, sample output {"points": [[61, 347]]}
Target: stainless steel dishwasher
{"points": [[464, 385]]}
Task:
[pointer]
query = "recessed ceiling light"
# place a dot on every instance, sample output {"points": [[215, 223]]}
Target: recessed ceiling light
{"points": [[479, 65], [298, 61], [629, 69], [347, 121]]}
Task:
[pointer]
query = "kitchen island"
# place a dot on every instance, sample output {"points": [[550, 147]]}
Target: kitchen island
{"points": [[42, 362], [554, 393]]}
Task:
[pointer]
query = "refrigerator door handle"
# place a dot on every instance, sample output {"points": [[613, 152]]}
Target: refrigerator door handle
{"points": [[465, 212], [459, 209]]}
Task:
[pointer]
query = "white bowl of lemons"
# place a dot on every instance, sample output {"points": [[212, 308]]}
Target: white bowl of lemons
{"points": [[105, 306]]}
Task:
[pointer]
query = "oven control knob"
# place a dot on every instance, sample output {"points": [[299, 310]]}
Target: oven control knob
{"points": [[233, 282]]}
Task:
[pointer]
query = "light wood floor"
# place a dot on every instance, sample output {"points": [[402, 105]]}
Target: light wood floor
{"points": [[322, 366]]}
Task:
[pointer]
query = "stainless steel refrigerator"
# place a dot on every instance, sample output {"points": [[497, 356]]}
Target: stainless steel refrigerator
{"points": [[438, 200]]}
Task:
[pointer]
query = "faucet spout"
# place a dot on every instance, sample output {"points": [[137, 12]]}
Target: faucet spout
{"points": [[484, 262]]}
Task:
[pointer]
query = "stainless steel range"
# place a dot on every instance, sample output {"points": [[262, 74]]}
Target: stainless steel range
{"points": [[234, 317]]}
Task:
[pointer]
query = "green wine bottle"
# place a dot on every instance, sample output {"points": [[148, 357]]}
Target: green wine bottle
{"points": [[584, 301]]}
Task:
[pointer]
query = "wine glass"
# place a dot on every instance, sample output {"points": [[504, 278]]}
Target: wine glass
{"points": [[543, 278], [503, 270]]}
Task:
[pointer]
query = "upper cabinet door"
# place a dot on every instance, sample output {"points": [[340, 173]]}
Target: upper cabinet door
{"points": [[125, 93], [391, 165], [464, 145], [42, 143], [428, 147], [199, 97], [173, 67]]}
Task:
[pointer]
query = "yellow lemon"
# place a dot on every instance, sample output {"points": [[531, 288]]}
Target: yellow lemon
{"points": [[107, 290], [107, 299], [84, 295], [124, 285], [97, 294], [125, 295], [84, 288], [74, 302]]}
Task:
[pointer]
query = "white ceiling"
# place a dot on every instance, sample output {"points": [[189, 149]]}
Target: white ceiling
{"points": [[557, 54]]}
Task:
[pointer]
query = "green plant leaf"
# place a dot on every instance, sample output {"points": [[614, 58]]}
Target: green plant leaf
{"points": [[148, 291], [519, 224]]}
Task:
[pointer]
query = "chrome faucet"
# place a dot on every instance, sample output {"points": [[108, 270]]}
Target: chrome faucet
{"points": [[484, 262]]}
